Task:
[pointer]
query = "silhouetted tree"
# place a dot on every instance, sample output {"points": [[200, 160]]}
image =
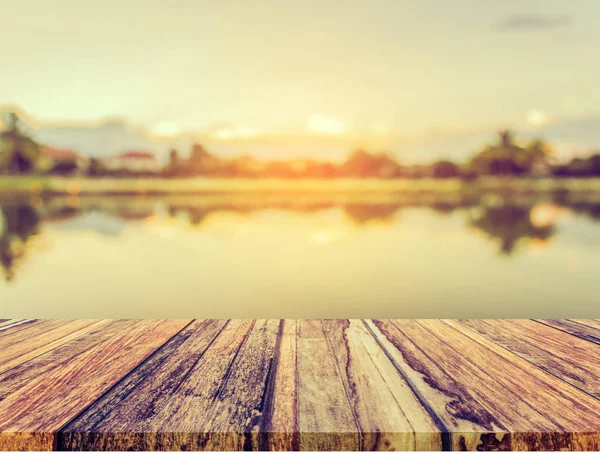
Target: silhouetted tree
{"points": [[445, 169], [201, 161], [508, 158], [18, 152], [64, 168], [362, 164], [96, 168]]}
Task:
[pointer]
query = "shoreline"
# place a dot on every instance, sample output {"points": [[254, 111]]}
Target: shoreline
{"points": [[51, 186]]}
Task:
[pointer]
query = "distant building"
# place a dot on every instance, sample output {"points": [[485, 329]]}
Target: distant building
{"points": [[134, 162], [55, 158]]}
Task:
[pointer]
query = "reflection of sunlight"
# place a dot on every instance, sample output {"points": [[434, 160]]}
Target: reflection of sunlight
{"points": [[545, 215], [323, 237], [73, 201], [537, 243], [73, 188], [162, 226]]}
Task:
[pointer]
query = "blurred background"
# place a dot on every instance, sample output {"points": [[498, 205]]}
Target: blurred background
{"points": [[315, 159]]}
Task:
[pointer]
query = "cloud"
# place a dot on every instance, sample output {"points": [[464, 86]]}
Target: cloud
{"points": [[534, 22]]}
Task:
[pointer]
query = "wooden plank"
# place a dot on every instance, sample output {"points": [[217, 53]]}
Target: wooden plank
{"points": [[31, 415], [6, 324], [505, 401], [116, 421], [159, 406], [389, 415], [594, 323], [19, 376], [566, 356], [281, 409], [28, 328], [575, 413], [14, 354], [301, 385], [233, 422], [451, 399], [583, 331], [182, 420], [325, 418]]}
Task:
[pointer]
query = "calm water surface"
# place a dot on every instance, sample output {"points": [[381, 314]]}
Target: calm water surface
{"points": [[294, 256]]}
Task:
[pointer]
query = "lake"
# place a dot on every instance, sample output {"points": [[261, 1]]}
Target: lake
{"points": [[300, 256]]}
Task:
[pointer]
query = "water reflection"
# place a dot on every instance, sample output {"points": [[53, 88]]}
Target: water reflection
{"points": [[278, 255], [510, 224], [18, 224], [507, 223]]}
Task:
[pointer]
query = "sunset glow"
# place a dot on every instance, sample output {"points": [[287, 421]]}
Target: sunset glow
{"points": [[433, 84]]}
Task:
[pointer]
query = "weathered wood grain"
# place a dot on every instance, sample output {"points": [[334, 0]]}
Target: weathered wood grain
{"points": [[6, 324], [31, 415], [19, 331], [325, 418], [16, 353], [233, 422], [389, 415], [574, 414], [574, 328], [300, 385], [280, 423], [595, 323], [161, 406], [450, 398], [21, 375], [568, 357], [493, 390], [117, 421]]}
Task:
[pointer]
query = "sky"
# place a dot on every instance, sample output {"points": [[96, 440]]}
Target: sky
{"points": [[423, 79]]}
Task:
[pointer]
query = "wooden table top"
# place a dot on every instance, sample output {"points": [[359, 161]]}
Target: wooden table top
{"points": [[299, 384]]}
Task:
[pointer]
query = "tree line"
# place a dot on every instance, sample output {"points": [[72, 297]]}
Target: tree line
{"points": [[20, 154]]}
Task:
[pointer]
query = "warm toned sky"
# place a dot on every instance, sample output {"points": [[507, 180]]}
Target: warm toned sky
{"points": [[404, 75]]}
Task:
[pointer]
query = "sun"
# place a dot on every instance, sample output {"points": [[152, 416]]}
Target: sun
{"points": [[536, 117]]}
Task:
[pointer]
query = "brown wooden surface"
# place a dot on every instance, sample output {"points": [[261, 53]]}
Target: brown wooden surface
{"points": [[299, 384]]}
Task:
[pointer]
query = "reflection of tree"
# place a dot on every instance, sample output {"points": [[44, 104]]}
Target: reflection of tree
{"points": [[20, 223], [592, 210], [509, 224], [362, 214], [198, 214]]}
